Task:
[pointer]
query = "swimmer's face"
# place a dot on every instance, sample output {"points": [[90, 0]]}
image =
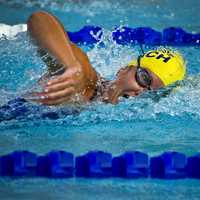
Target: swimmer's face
{"points": [[126, 78]]}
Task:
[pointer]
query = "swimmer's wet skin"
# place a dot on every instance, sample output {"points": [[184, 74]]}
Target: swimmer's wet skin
{"points": [[154, 70]]}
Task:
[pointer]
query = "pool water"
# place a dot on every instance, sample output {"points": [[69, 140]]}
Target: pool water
{"points": [[138, 123]]}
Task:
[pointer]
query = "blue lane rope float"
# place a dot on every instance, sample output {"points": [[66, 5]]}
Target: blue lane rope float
{"points": [[99, 164], [172, 36]]}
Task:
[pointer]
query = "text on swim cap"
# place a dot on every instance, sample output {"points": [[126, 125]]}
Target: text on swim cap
{"points": [[159, 55]]}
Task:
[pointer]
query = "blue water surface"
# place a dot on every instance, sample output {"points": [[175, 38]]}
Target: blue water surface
{"points": [[138, 123]]}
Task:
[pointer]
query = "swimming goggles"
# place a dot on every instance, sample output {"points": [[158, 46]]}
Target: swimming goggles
{"points": [[142, 76]]}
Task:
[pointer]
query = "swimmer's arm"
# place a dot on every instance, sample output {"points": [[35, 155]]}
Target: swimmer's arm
{"points": [[79, 77], [51, 39]]}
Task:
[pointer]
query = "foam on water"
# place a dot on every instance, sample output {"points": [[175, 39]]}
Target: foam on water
{"points": [[11, 31]]}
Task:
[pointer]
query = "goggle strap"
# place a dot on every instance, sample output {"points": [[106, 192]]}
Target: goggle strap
{"points": [[141, 47], [138, 60]]}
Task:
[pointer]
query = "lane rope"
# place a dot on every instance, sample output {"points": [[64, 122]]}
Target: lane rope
{"points": [[171, 36], [99, 164]]}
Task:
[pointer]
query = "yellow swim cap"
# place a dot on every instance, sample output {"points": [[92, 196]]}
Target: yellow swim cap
{"points": [[168, 65]]}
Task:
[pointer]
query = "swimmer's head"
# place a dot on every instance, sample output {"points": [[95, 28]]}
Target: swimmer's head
{"points": [[154, 70], [168, 65]]}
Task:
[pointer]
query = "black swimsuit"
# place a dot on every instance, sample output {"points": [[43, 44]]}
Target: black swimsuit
{"points": [[100, 88]]}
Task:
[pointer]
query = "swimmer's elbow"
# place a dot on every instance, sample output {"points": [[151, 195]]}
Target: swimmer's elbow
{"points": [[33, 19]]}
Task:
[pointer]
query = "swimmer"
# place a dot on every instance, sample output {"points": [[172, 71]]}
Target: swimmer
{"points": [[79, 82]]}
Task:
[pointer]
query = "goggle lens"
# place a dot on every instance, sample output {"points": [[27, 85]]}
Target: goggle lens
{"points": [[142, 76]]}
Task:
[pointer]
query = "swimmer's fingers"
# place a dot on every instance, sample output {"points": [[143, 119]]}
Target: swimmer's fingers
{"points": [[67, 92], [43, 79], [33, 96], [59, 86], [60, 94], [61, 78], [51, 102], [54, 102]]}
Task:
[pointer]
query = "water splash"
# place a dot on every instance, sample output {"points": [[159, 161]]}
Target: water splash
{"points": [[10, 32], [20, 65]]}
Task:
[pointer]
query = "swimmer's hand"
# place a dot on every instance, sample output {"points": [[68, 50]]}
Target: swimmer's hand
{"points": [[74, 82]]}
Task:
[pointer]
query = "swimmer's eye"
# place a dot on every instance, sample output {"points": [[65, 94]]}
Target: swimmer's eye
{"points": [[142, 76]]}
